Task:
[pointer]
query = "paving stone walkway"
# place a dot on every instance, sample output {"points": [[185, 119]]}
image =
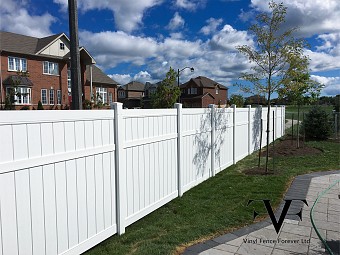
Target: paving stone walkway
{"points": [[295, 236]]}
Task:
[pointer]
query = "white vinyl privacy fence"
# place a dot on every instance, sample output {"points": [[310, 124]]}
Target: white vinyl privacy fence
{"points": [[70, 179]]}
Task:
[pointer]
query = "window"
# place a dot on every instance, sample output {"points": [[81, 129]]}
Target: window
{"points": [[101, 95], [44, 96], [110, 98], [17, 64], [62, 46], [51, 96], [19, 95], [121, 94], [192, 91], [69, 80], [51, 68], [58, 96], [217, 90]]}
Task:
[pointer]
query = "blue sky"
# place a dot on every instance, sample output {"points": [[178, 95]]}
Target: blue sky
{"points": [[141, 39]]}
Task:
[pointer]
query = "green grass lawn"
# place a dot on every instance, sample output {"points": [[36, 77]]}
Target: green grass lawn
{"points": [[216, 206], [293, 109]]}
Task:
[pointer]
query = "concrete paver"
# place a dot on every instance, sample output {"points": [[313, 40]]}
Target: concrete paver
{"points": [[295, 236]]}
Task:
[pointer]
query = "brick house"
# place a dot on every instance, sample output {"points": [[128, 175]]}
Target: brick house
{"points": [[201, 91], [46, 61], [104, 89], [131, 94]]}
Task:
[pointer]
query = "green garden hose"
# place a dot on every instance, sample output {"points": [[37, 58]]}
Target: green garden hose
{"points": [[312, 219]]}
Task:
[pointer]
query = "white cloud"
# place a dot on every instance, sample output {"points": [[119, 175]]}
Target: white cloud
{"points": [[176, 22], [190, 5], [122, 79], [332, 84], [330, 43], [212, 26], [128, 15], [15, 18], [312, 16], [321, 61], [228, 38]]}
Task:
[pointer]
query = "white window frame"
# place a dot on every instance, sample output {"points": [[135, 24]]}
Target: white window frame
{"points": [[62, 46], [217, 90], [58, 97], [51, 96], [50, 68], [69, 86], [110, 97], [22, 95], [41, 94], [102, 93], [19, 64]]}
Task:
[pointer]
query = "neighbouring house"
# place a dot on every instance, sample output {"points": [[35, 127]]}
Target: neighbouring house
{"points": [[150, 88], [45, 63], [131, 94], [201, 91], [103, 89]]}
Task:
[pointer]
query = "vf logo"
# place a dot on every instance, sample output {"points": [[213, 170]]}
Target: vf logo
{"points": [[278, 224]]}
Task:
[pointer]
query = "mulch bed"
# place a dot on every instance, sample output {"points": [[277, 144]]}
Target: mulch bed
{"points": [[289, 148], [284, 148]]}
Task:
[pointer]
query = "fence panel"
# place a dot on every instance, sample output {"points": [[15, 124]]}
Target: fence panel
{"points": [[223, 138], [151, 160], [196, 146], [65, 186], [56, 184]]}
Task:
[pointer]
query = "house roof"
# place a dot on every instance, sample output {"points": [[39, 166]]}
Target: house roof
{"points": [[22, 44], [133, 85], [203, 82], [17, 80], [98, 76]]}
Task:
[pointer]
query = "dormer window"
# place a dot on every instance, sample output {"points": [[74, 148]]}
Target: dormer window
{"points": [[121, 94], [192, 91], [62, 46]]}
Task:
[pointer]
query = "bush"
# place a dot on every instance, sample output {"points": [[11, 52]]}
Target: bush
{"points": [[25, 107], [40, 106], [317, 124], [87, 104]]}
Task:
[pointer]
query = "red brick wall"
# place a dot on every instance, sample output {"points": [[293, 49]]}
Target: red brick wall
{"points": [[42, 81]]}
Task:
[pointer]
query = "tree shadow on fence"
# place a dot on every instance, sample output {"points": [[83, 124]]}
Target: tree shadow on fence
{"points": [[202, 141], [256, 128]]}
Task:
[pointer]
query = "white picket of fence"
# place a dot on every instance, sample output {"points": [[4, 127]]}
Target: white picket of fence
{"points": [[71, 179]]}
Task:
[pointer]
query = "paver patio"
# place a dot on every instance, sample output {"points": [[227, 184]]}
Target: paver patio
{"points": [[295, 236]]}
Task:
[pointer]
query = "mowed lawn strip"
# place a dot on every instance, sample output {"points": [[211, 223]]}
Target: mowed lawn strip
{"points": [[216, 206]]}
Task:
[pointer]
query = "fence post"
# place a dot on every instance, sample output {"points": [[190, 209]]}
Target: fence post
{"points": [[178, 106], [121, 197], [283, 120], [234, 134], [249, 129], [213, 120], [275, 121]]}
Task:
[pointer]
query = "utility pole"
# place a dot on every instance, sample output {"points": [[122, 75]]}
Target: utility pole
{"points": [[76, 88]]}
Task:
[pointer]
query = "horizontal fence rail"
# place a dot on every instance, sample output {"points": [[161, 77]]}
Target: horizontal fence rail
{"points": [[71, 179]]}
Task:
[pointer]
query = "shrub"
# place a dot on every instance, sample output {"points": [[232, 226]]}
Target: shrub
{"points": [[317, 124], [87, 104], [25, 107], [40, 106]]}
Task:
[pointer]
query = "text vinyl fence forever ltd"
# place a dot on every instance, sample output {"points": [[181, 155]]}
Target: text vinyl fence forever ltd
{"points": [[70, 179]]}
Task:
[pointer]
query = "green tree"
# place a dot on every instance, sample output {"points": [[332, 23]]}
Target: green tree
{"points": [[271, 56], [237, 100], [167, 93], [40, 106], [300, 88]]}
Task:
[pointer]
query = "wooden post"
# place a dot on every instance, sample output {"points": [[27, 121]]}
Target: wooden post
{"points": [[260, 143]]}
